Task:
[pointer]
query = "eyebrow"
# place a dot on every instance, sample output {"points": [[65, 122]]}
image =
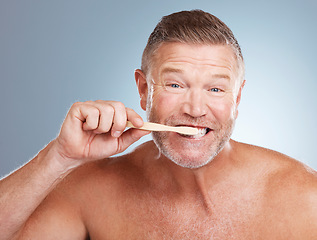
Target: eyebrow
{"points": [[171, 70], [221, 76]]}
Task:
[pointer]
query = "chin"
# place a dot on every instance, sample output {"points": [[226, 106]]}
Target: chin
{"points": [[187, 158], [191, 161]]}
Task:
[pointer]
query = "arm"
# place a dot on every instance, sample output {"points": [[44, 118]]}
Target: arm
{"points": [[310, 205], [302, 204], [25, 189], [91, 131], [59, 216]]}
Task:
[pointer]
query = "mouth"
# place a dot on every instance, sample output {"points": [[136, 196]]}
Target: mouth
{"points": [[202, 131]]}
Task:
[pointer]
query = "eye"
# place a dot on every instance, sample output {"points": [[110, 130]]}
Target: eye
{"points": [[215, 90], [174, 85]]}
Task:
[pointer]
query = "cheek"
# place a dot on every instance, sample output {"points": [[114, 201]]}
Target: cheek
{"points": [[165, 102], [223, 109]]}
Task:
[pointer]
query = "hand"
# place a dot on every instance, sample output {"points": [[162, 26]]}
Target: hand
{"points": [[95, 130]]}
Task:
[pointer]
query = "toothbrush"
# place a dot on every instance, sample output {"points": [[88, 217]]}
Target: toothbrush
{"points": [[160, 127]]}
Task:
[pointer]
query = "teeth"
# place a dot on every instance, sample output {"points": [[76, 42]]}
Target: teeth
{"points": [[201, 132]]}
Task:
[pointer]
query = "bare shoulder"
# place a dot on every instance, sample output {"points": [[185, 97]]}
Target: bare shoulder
{"points": [[290, 188], [103, 176], [77, 202], [281, 171], [107, 177], [277, 163]]}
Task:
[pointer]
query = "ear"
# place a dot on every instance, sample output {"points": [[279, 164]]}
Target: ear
{"points": [[239, 97], [141, 83]]}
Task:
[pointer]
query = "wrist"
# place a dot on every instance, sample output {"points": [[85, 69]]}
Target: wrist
{"points": [[51, 157]]}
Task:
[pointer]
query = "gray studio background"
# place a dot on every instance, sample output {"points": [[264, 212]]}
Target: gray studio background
{"points": [[54, 53]]}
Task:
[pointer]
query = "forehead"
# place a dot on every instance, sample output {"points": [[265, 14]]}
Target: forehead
{"points": [[189, 56]]}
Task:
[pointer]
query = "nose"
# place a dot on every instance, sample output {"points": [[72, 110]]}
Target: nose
{"points": [[194, 103]]}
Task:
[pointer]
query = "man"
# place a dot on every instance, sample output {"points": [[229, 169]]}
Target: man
{"points": [[205, 186]]}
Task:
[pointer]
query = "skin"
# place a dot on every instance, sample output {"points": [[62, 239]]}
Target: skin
{"points": [[201, 91], [244, 192]]}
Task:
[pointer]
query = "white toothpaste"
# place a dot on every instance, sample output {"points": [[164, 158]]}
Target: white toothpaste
{"points": [[201, 132]]}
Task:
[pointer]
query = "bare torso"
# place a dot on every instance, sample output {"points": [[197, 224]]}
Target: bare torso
{"points": [[138, 196]]}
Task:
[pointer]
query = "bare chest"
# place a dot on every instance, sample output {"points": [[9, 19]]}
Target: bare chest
{"points": [[176, 225], [163, 219]]}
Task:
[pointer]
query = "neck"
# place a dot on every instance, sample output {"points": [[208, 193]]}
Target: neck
{"points": [[199, 180]]}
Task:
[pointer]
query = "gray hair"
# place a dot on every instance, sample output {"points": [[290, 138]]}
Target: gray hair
{"points": [[195, 27]]}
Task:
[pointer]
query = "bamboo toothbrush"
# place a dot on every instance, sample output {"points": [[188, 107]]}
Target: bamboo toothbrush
{"points": [[160, 127]]}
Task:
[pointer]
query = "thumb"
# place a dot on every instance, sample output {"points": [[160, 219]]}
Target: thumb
{"points": [[129, 137]]}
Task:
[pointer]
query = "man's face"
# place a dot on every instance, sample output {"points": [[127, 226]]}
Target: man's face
{"points": [[196, 86]]}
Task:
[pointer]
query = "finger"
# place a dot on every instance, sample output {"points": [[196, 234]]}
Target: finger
{"points": [[129, 137], [89, 116], [134, 118], [119, 119], [107, 112]]}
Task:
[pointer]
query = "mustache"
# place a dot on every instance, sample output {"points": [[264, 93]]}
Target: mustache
{"points": [[188, 120]]}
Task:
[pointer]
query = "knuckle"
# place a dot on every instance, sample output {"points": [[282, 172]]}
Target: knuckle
{"points": [[74, 108], [108, 110], [76, 104], [119, 105]]}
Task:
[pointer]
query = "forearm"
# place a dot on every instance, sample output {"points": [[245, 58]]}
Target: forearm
{"points": [[23, 190], [87, 134]]}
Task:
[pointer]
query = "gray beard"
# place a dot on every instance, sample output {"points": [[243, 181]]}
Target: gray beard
{"points": [[222, 133]]}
